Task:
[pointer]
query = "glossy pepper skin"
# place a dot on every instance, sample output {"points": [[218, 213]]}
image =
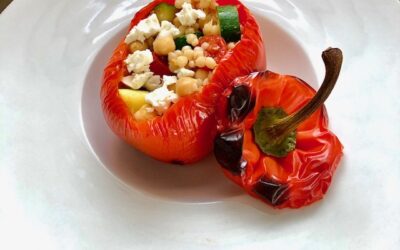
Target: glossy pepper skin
{"points": [[294, 181], [185, 133]]}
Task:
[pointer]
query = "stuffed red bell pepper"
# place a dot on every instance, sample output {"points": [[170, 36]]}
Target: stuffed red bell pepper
{"points": [[277, 144], [164, 79]]}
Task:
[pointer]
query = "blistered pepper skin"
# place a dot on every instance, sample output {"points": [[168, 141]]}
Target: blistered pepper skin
{"points": [[185, 133], [302, 177]]}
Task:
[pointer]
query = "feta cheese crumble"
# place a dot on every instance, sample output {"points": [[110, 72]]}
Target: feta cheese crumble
{"points": [[144, 29], [137, 81], [188, 16], [183, 72], [168, 29], [153, 83], [139, 61], [161, 98], [169, 80]]}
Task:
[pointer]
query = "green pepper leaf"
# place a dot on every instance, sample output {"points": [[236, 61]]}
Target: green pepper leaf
{"points": [[266, 118]]}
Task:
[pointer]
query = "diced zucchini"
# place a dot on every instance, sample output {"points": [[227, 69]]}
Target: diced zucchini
{"points": [[134, 99], [180, 42], [199, 34], [228, 16], [165, 12]]}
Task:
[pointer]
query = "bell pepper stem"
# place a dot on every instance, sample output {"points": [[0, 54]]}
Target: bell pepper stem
{"points": [[281, 128]]}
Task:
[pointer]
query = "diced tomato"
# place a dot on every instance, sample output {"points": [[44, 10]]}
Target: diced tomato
{"points": [[160, 66], [217, 48]]}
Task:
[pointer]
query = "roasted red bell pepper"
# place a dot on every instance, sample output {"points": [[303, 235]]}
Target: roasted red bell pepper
{"points": [[276, 143], [185, 133]]}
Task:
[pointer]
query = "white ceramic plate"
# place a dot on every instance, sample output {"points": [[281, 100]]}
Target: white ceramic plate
{"points": [[66, 182]]}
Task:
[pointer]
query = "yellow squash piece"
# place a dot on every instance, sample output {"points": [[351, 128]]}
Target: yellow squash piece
{"points": [[134, 99]]}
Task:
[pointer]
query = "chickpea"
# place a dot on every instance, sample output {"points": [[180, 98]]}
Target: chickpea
{"points": [[189, 31], [211, 29], [176, 22], [182, 30], [173, 66], [172, 55], [201, 62], [137, 46], [213, 5], [204, 4], [186, 86], [199, 83], [209, 18], [205, 45], [214, 16], [195, 4], [198, 49], [198, 52], [186, 48], [201, 74], [153, 83], [150, 42], [202, 23], [179, 3], [151, 86], [192, 39], [172, 87], [164, 45], [207, 30], [211, 63], [189, 54], [182, 61], [143, 114], [192, 64]]}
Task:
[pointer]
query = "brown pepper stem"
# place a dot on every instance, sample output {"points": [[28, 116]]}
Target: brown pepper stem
{"points": [[333, 59]]}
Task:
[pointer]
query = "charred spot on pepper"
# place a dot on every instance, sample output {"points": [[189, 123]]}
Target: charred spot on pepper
{"points": [[274, 192], [228, 151], [240, 103]]}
